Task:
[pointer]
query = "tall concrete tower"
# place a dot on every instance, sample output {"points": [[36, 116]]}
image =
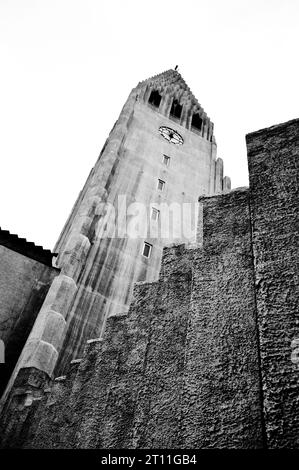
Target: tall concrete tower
{"points": [[161, 150]]}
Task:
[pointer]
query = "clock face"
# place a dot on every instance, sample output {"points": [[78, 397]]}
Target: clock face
{"points": [[171, 135]]}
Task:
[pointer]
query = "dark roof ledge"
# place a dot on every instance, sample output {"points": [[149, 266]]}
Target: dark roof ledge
{"points": [[29, 249]]}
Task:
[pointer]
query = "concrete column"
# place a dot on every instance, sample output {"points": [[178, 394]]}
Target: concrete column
{"points": [[226, 185], [147, 93], [204, 126], [141, 94], [168, 106], [189, 116], [212, 168], [211, 129], [208, 129], [184, 116], [43, 344], [101, 171], [76, 250], [218, 176], [164, 103]]}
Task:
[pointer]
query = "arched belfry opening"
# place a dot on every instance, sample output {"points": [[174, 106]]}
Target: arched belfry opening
{"points": [[176, 109], [196, 122], [155, 98]]}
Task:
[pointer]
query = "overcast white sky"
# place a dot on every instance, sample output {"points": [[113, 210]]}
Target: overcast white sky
{"points": [[67, 67]]}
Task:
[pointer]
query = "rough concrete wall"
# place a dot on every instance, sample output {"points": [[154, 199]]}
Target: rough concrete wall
{"points": [[180, 370], [273, 172], [222, 406], [24, 283]]}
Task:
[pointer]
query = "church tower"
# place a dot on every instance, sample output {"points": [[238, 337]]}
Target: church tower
{"points": [[161, 150]]}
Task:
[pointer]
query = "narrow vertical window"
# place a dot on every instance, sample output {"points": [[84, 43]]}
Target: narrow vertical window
{"points": [[166, 160], [161, 185], [155, 214], [147, 249]]}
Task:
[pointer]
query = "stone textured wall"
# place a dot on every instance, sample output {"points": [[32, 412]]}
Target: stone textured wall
{"points": [[223, 405], [24, 283], [273, 157]]}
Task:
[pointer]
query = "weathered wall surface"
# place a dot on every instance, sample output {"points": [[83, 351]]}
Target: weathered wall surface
{"points": [[222, 392], [273, 156], [24, 283], [181, 369]]}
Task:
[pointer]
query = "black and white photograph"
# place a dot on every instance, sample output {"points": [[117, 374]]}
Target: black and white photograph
{"points": [[149, 230]]}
